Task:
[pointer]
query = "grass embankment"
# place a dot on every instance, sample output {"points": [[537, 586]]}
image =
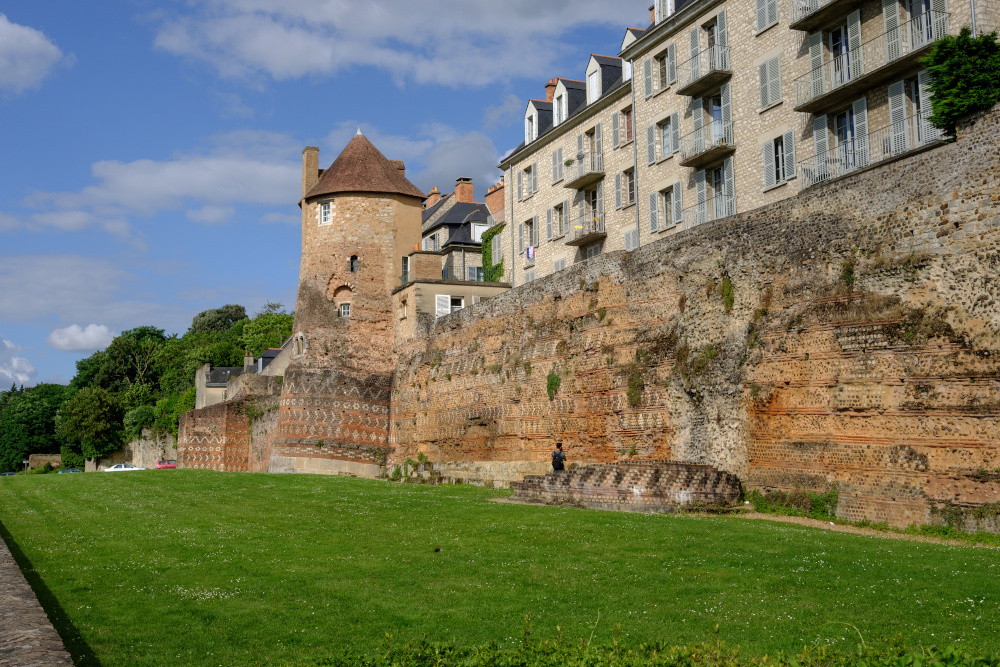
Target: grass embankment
{"points": [[192, 567]]}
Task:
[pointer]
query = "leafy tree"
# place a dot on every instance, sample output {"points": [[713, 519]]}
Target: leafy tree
{"points": [[88, 369], [27, 423], [269, 328], [130, 357], [93, 418], [137, 419], [71, 458], [169, 410], [964, 74], [218, 319]]}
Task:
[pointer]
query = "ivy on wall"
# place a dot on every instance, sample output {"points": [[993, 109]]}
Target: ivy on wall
{"points": [[965, 76], [492, 273]]}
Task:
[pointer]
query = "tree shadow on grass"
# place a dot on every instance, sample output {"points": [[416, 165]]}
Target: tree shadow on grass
{"points": [[79, 650]]}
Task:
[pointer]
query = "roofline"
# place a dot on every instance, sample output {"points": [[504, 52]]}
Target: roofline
{"points": [[361, 192], [562, 78], [574, 121], [599, 55], [667, 27]]}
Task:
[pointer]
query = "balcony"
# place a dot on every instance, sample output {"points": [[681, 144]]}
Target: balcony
{"points": [[586, 230], [894, 140], [589, 169], [705, 71], [707, 145], [715, 208], [809, 15], [880, 59]]}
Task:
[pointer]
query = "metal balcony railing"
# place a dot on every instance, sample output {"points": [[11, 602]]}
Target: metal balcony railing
{"points": [[587, 229], [854, 68], [587, 169], [890, 141], [810, 14], [714, 208], [704, 70], [713, 139]]}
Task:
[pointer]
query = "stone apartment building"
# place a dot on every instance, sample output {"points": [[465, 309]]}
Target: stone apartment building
{"points": [[719, 107]]}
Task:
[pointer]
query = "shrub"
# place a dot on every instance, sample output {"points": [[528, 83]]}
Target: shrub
{"points": [[138, 419], [552, 384], [727, 293], [964, 73]]}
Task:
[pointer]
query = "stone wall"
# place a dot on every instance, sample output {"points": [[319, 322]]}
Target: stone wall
{"points": [[144, 452], [846, 336], [38, 460]]}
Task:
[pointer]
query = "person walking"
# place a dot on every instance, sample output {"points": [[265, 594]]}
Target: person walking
{"points": [[558, 458]]}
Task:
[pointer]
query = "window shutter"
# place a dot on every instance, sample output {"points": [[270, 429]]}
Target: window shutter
{"points": [[727, 112], [600, 206], [559, 163], [555, 166], [774, 80], [761, 15], [939, 19], [677, 199], [675, 131], [442, 305], [520, 186], [772, 11], [564, 220], [701, 195], [672, 63], [890, 21], [821, 148], [548, 225], [534, 231], [698, 118], [854, 43], [616, 131], [816, 69], [599, 142], [928, 132], [497, 251], [765, 90], [722, 48], [581, 207], [618, 191], [768, 161], [654, 213], [651, 144], [631, 240], [730, 177], [861, 130], [695, 39], [647, 75], [897, 118], [788, 141], [534, 178], [520, 237]]}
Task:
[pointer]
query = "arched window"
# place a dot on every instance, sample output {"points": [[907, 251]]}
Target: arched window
{"points": [[354, 264]]}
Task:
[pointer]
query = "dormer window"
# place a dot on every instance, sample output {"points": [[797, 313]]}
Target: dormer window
{"points": [[530, 129], [664, 8], [593, 87], [627, 70], [558, 109]]}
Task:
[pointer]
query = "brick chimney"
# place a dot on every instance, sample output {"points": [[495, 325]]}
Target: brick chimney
{"points": [[310, 168], [495, 201], [652, 14], [433, 197], [463, 190], [550, 89]]}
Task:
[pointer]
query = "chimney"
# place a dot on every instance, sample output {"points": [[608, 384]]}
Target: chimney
{"points": [[495, 201], [433, 197], [399, 165], [247, 357], [310, 168], [652, 14], [550, 89], [463, 190]]}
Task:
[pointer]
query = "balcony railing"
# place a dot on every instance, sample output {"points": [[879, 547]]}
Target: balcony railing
{"points": [[714, 208], [811, 14], [707, 144], [890, 141], [586, 230], [587, 170], [704, 71], [877, 59]]}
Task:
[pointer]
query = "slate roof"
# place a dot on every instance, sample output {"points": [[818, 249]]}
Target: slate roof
{"points": [[362, 168], [219, 377], [463, 235], [457, 215]]}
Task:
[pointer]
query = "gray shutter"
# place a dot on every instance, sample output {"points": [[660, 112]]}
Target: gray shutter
{"points": [[722, 48], [548, 225], [675, 132], [774, 80], [555, 166], [727, 112], [677, 197], [854, 42], [768, 161], [616, 130], [442, 305], [599, 142], [772, 11], [698, 118], [647, 75], [600, 205], [729, 175], [761, 15], [928, 132], [939, 19], [821, 148], [497, 249], [520, 237], [672, 63], [817, 72], [534, 231], [581, 207], [654, 213], [651, 144], [564, 221], [694, 38], [631, 240], [893, 36], [520, 185], [534, 177], [701, 194], [582, 165], [562, 167], [618, 191], [897, 118], [765, 90], [861, 131], [788, 141]]}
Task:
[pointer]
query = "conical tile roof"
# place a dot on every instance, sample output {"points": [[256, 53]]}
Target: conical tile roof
{"points": [[362, 168]]}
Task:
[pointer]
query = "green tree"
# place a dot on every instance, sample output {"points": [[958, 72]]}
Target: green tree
{"points": [[218, 319], [93, 419], [965, 72], [28, 423], [269, 328]]}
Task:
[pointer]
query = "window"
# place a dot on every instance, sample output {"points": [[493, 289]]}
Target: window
{"points": [[477, 232], [779, 159], [402, 310], [406, 268], [559, 264], [669, 133], [474, 273], [435, 243], [530, 239], [770, 82], [529, 129], [326, 213], [557, 165], [627, 117], [497, 247], [628, 188], [530, 181], [593, 250], [557, 109], [767, 13], [354, 263], [665, 210], [626, 70], [661, 70], [840, 54], [457, 303], [559, 220], [345, 310], [593, 87], [529, 276]]}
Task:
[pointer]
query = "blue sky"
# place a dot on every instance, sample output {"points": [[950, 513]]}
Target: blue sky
{"points": [[151, 151]]}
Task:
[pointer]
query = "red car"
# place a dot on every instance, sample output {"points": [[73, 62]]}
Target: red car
{"points": [[166, 464]]}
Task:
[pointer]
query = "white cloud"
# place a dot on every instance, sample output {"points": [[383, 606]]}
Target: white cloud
{"points": [[211, 215], [451, 42], [510, 109], [14, 369], [75, 338], [26, 57], [472, 155]]}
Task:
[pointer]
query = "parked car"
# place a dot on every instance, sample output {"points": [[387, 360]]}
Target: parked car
{"points": [[119, 467], [166, 464], [7, 474], [69, 470]]}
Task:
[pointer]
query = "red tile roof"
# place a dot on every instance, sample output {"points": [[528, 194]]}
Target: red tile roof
{"points": [[362, 168]]}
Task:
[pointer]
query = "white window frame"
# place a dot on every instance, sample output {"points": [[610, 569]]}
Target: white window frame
{"points": [[594, 86], [477, 232], [326, 213], [345, 310]]}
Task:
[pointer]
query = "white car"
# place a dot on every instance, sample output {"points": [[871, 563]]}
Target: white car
{"points": [[122, 466]]}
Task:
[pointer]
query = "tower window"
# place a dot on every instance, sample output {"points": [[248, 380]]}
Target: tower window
{"points": [[345, 310], [354, 264]]}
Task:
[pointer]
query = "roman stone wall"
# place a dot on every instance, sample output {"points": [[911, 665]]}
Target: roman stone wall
{"points": [[847, 336]]}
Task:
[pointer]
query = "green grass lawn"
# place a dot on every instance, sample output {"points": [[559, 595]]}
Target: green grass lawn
{"points": [[198, 568]]}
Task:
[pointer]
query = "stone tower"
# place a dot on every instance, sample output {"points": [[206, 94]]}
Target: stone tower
{"points": [[360, 218]]}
